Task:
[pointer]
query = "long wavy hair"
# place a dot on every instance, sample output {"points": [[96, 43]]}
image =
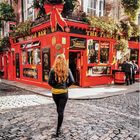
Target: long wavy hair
{"points": [[60, 68]]}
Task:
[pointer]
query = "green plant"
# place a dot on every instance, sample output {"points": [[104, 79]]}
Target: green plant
{"points": [[125, 28], [131, 7], [4, 43], [104, 24], [135, 29], [121, 44], [6, 12], [22, 29]]}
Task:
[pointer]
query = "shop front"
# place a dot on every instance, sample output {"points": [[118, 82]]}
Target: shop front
{"points": [[90, 56]]}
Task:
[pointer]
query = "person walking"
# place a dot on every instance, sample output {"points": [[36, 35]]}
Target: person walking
{"points": [[60, 78]]}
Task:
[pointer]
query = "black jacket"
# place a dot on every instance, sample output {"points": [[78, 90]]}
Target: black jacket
{"points": [[52, 82]]}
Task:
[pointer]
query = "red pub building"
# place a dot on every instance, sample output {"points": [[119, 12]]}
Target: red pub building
{"points": [[90, 57]]}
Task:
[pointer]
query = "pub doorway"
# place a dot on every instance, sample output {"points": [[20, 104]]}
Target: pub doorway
{"points": [[74, 65]]}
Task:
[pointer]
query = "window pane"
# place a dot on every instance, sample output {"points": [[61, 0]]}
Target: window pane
{"points": [[100, 5], [30, 56], [104, 52], [37, 58], [93, 47], [24, 57], [134, 55]]}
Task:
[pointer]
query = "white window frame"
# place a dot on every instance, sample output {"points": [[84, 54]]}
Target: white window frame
{"points": [[27, 5], [95, 9]]}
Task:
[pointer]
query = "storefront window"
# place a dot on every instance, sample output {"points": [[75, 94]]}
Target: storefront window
{"points": [[36, 56], [24, 57], [30, 56], [33, 56], [134, 54], [104, 52], [93, 47], [45, 64]]}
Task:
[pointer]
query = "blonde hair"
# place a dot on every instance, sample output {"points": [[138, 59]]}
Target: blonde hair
{"points": [[61, 68]]}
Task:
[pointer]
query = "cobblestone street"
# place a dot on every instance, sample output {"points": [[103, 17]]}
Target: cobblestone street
{"points": [[27, 116]]}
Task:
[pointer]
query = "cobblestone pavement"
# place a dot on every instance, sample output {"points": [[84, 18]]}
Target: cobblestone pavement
{"points": [[112, 118], [12, 97]]}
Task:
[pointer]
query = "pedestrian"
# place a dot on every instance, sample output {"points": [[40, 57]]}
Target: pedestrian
{"points": [[127, 68], [60, 78], [135, 68]]}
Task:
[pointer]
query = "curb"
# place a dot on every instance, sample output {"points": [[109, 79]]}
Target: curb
{"points": [[82, 98]]}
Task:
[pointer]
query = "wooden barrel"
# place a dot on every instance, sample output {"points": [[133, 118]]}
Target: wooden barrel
{"points": [[119, 77]]}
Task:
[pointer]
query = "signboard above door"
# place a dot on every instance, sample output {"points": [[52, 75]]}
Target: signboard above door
{"points": [[77, 43]]}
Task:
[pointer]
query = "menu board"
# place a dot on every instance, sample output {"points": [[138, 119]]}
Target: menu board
{"points": [[45, 64]]}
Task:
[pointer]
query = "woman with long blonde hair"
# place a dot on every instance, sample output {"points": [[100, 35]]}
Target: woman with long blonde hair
{"points": [[60, 78]]}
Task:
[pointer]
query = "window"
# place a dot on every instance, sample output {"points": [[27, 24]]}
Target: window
{"points": [[134, 55], [93, 47], [28, 11], [104, 52], [139, 19], [93, 7], [31, 53], [33, 56]]}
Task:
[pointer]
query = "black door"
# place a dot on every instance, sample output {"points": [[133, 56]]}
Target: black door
{"points": [[73, 65]]}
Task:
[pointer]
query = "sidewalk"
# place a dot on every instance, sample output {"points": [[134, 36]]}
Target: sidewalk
{"points": [[81, 93]]}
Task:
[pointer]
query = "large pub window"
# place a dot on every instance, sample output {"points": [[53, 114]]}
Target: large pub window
{"points": [[98, 58], [31, 59]]}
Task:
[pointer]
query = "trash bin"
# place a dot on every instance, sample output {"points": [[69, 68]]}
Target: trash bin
{"points": [[119, 77]]}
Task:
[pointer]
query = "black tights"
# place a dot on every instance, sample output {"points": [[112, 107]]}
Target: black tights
{"points": [[60, 101]]}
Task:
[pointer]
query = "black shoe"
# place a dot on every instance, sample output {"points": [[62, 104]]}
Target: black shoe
{"points": [[59, 132], [54, 135]]}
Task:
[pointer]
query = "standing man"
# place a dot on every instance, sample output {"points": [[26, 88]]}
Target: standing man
{"points": [[127, 67]]}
